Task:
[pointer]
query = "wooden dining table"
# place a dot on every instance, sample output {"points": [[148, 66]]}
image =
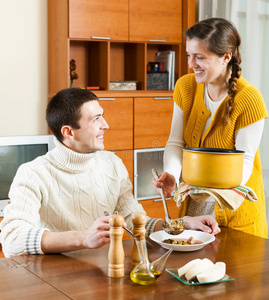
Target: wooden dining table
{"points": [[84, 274]]}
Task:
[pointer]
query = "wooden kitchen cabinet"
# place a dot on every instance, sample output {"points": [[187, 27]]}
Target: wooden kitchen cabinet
{"points": [[155, 21], [152, 121], [78, 30], [98, 19], [118, 113], [123, 20]]}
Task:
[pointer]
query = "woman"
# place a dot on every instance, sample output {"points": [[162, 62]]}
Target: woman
{"points": [[215, 107]]}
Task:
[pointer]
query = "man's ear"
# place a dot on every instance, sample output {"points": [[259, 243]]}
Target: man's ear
{"points": [[67, 132]]}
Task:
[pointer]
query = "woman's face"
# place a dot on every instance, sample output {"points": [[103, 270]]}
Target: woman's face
{"points": [[207, 66]]}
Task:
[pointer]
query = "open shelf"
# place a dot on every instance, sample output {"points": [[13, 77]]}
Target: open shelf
{"points": [[127, 63], [99, 62], [91, 63]]}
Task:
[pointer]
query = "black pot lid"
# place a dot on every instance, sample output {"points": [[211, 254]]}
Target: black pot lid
{"points": [[213, 150]]}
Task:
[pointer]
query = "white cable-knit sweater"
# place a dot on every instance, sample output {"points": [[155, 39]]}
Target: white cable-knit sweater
{"points": [[65, 190]]}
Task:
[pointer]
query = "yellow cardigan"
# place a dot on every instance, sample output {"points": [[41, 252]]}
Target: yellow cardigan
{"points": [[249, 108]]}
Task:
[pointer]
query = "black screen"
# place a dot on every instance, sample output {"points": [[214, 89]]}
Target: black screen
{"points": [[11, 157]]}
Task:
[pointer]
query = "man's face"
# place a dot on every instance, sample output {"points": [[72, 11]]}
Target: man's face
{"points": [[90, 136]]}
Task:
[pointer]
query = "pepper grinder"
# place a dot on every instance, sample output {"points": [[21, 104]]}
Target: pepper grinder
{"points": [[139, 221], [116, 252]]}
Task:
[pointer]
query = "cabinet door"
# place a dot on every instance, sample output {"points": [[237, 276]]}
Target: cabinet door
{"points": [[156, 20], [98, 18], [152, 121], [119, 116], [154, 208], [127, 158]]}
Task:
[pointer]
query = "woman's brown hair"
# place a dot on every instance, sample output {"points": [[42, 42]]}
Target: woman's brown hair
{"points": [[221, 37]]}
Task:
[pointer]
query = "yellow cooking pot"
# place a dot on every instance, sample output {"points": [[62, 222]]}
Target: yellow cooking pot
{"points": [[212, 167]]}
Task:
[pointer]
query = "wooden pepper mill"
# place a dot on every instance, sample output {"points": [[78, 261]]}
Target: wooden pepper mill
{"points": [[116, 252], [139, 220]]}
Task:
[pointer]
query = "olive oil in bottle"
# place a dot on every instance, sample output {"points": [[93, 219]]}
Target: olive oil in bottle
{"points": [[156, 273], [141, 273], [145, 273], [142, 278]]}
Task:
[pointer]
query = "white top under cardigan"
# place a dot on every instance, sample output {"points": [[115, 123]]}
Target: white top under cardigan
{"points": [[65, 190]]}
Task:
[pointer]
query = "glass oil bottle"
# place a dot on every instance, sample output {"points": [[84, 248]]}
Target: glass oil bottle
{"points": [[146, 273], [157, 266], [141, 273]]}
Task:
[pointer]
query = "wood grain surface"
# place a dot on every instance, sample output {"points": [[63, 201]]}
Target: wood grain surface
{"points": [[84, 274]]}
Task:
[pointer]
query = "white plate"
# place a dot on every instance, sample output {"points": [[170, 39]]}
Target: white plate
{"points": [[204, 237]]}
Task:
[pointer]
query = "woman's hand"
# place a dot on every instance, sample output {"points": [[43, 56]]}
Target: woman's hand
{"points": [[205, 223], [167, 182]]}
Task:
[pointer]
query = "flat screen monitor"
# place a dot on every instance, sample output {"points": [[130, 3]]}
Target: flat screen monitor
{"points": [[15, 151]]}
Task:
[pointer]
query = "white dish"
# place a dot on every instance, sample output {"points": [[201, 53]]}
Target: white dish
{"points": [[204, 237]]}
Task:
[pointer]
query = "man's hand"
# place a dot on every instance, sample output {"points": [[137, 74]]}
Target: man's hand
{"points": [[98, 234], [94, 237], [205, 223]]}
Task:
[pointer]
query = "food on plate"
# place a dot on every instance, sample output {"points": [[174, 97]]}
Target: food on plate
{"points": [[167, 241], [203, 270], [189, 241], [193, 241], [177, 225]]}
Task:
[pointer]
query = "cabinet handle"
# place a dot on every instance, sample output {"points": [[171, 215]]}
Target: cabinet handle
{"points": [[157, 200], [162, 98], [100, 38], [110, 99], [158, 41]]}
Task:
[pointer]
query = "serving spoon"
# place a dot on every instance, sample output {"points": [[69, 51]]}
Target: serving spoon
{"points": [[171, 226]]}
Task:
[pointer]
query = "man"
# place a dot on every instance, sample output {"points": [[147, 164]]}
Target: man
{"points": [[58, 200]]}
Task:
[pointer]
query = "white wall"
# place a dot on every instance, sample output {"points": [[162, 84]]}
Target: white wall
{"points": [[23, 67]]}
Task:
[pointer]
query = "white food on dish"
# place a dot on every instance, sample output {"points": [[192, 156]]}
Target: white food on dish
{"points": [[214, 273], [185, 268], [204, 270], [198, 267]]}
